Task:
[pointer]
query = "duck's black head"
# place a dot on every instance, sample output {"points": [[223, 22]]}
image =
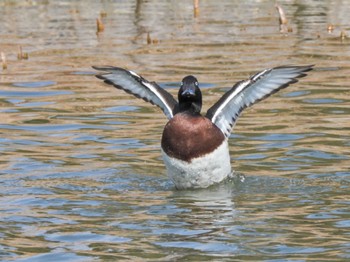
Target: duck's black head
{"points": [[190, 96]]}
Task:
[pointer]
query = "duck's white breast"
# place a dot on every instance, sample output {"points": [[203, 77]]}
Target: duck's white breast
{"points": [[200, 172]]}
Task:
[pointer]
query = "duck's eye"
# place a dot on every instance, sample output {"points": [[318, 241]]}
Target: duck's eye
{"points": [[182, 83], [196, 83]]}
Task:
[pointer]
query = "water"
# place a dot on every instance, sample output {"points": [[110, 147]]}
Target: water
{"points": [[81, 175]]}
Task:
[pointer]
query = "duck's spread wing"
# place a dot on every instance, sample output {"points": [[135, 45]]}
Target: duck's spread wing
{"points": [[225, 112], [134, 84]]}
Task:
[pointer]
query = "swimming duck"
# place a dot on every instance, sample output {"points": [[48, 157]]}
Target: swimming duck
{"points": [[194, 146]]}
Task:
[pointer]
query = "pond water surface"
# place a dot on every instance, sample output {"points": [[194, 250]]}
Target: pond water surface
{"points": [[81, 175]]}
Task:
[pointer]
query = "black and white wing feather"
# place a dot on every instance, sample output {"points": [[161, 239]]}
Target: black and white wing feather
{"points": [[134, 84], [224, 113]]}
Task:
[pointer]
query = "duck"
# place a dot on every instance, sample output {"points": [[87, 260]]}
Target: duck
{"points": [[194, 146]]}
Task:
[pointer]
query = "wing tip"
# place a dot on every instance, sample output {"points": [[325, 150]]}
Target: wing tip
{"points": [[108, 68], [305, 69], [100, 77], [107, 71], [102, 68], [301, 69], [302, 72]]}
